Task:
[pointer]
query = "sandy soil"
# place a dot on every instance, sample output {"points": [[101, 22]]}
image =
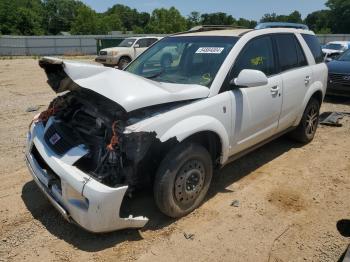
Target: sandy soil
{"points": [[290, 198]]}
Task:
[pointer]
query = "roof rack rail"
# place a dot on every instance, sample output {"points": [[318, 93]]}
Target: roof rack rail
{"points": [[202, 28], [281, 25]]}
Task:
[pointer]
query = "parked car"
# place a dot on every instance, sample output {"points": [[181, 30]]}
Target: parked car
{"points": [[168, 121], [339, 75], [126, 51], [334, 49]]}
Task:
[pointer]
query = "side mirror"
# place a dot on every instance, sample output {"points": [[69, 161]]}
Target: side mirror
{"points": [[136, 46], [250, 78]]}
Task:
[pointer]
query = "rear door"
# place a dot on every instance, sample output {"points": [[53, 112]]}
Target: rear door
{"points": [[256, 110], [296, 76]]}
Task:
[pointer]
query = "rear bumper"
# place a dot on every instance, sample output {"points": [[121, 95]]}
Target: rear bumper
{"points": [[77, 196]]}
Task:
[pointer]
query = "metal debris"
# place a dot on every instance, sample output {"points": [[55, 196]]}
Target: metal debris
{"points": [[189, 236], [331, 118], [32, 109], [235, 203]]}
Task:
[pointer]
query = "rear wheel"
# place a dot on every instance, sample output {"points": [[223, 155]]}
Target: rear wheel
{"points": [[183, 179], [307, 127]]}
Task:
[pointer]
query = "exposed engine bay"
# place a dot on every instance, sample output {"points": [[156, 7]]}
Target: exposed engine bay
{"points": [[82, 117], [94, 111]]}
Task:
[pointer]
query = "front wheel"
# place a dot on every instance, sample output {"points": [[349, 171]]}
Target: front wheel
{"points": [[307, 127], [123, 62], [183, 179]]}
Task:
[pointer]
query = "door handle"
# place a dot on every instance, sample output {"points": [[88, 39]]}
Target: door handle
{"points": [[274, 90], [307, 80]]}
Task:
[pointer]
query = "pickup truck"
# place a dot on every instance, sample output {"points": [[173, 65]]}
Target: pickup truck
{"points": [[125, 52]]}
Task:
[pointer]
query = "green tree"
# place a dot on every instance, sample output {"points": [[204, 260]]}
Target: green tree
{"points": [[60, 15], [28, 22], [319, 21], [339, 15], [166, 21], [22, 17], [246, 23], [217, 19], [294, 17], [108, 23], [129, 17], [193, 19], [85, 22]]}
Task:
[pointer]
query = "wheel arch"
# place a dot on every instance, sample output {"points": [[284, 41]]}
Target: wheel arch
{"points": [[314, 92], [125, 56], [205, 130]]}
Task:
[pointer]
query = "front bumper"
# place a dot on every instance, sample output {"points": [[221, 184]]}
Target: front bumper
{"points": [[338, 89], [107, 60], [78, 197]]}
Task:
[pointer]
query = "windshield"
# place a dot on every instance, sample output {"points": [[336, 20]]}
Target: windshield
{"points": [[184, 59], [127, 42], [338, 47], [345, 56]]}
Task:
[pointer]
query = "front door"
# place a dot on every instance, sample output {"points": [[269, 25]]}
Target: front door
{"points": [[141, 46], [256, 109]]}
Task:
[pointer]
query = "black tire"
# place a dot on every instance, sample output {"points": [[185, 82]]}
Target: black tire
{"points": [[183, 179], [123, 62], [307, 127]]}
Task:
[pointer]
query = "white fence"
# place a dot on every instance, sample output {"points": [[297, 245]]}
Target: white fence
{"points": [[78, 45], [333, 37], [47, 45], [52, 45]]}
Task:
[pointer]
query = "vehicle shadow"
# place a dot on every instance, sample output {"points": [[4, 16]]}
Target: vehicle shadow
{"points": [[143, 203], [244, 166]]}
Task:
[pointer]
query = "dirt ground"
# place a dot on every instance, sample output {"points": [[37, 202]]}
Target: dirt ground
{"points": [[289, 198]]}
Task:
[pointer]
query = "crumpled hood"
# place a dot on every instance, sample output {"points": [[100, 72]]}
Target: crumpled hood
{"points": [[128, 90]]}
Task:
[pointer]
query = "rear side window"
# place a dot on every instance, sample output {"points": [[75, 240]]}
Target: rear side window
{"points": [[287, 52], [151, 41], [143, 43], [315, 47], [290, 53], [257, 55]]}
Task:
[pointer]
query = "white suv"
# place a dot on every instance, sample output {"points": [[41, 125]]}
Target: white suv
{"points": [[191, 103], [126, 51]]}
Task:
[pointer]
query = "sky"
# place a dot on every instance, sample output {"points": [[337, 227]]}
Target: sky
{"points": [[249, 9]]}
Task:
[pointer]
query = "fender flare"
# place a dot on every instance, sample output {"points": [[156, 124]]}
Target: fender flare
{"points": [[197, 124], [124, 55]]}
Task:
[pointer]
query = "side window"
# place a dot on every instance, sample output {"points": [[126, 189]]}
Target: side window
{"points": [[315, 47], [151, 41], [289, 52], [257, 55], [143, 43]]}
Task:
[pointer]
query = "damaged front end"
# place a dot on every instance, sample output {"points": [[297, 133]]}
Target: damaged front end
{"points": [[83, 160]]}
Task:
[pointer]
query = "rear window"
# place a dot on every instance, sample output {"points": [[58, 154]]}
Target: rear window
{"points": [[315, 47]]}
